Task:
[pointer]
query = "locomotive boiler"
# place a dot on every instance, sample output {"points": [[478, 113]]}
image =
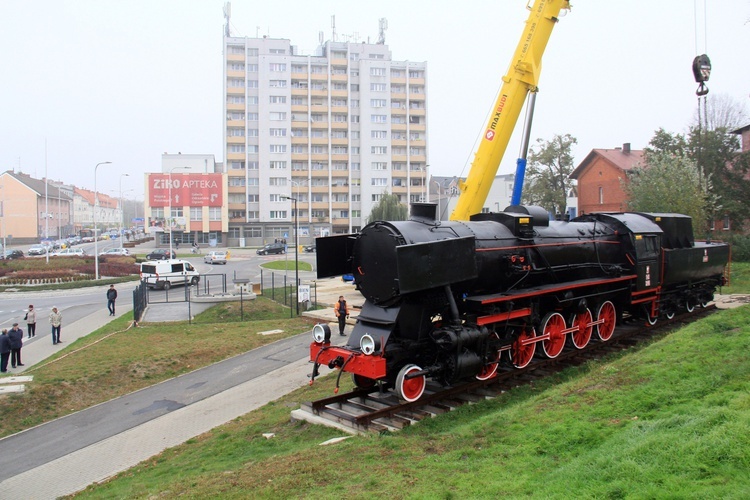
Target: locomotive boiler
{"points": [[447, 299]]}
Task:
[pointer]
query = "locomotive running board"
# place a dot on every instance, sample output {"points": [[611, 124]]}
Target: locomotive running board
{"points": [[543, 290]]}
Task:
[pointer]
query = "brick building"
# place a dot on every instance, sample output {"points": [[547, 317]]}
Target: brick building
{"points": [[601, 176]]}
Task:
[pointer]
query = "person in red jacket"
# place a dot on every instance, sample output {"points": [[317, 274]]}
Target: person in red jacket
{"points": [[342, 312]]}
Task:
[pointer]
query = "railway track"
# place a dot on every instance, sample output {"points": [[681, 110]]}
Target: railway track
{"points": [[379, 410]]}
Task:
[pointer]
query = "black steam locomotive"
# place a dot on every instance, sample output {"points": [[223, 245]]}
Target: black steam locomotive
{"points": [[446, 299]]}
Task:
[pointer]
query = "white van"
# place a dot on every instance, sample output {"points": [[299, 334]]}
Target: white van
{"points": [[165, 273]]}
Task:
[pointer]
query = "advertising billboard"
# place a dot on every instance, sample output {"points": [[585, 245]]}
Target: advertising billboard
{"points": [[193, 190]]}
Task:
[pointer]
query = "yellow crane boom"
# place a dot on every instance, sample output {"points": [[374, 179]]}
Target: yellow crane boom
{"points": [[522, 78]]}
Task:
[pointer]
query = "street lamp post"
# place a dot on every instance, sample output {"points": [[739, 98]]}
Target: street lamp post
{"points": [[170, 206], [119, 230], [438, 197], [296, 249], [96, 236]]}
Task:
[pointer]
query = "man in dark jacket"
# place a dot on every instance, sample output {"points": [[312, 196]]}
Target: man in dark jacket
{"points": [[15, 335], [4, 351], [111, 297]]}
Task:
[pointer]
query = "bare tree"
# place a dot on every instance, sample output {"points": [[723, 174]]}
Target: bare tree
{"points": [[723, 111]]}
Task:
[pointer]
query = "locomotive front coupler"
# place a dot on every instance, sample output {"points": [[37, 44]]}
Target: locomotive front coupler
{"points": [[338, 361]]}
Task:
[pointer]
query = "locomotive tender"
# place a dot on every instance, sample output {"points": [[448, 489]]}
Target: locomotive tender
{"points": [[446, 299]]}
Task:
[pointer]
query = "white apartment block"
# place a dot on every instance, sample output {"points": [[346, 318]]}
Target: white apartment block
{"points": [[333, 131]]}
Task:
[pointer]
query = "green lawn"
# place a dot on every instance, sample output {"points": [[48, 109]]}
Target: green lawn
{"points": [[670, 420], [739, 278]]}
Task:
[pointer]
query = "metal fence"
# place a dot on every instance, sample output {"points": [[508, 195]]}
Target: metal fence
{"points": [[280, 287], [140, 301]]}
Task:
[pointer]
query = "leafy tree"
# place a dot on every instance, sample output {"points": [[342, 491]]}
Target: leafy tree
{"points": [[548, 173], [714, 152], [389, 208], [671, 183]]}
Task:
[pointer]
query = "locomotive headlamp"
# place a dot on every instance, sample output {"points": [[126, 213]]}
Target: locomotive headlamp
{"points": [[321, 333], [368, 344]]}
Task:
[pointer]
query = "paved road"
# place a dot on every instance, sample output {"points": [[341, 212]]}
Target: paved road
{"points": [[32, 453]]}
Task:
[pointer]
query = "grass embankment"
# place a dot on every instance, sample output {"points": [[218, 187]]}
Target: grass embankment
{"points": [[131, 359], [669, 420], [739, 279]]}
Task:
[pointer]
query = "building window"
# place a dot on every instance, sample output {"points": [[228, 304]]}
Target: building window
{"points": [[196, 213], [253, 198], [214, 213], [725, 225], [278, 148], [277, 84], [378, 119], [277, 99], [378, 87], [601, 195], [379, 150], [277, 181], [379, 181], [277, 165], [276, 116], [252, 84], [379, 165], [378, 103], [278, 214], [277, 67], [377, 71]]}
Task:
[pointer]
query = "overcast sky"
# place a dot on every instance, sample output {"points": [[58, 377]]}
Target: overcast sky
{"points": [[125, 81]]}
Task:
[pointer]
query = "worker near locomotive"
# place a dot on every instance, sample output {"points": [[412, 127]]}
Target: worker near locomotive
{"points": [[451, 300]]}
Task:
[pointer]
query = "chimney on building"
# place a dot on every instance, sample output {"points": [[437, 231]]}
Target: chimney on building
{"points": [[626, 147]]}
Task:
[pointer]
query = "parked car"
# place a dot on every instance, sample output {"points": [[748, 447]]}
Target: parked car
{"points": [[69, 252], [216, 257], [12, 254], [37, 250], [161, 254], [115, 251], [272, 248], [310, 248]]}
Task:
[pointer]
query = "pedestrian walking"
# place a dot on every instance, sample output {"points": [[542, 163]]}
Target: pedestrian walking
{"points": [[342, 312], [55, 319], [15, 335], [111, 297], [4, 350], [31, 321]]}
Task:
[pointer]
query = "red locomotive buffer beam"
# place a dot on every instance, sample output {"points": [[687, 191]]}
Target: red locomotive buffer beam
{"points": [[372, 367]]}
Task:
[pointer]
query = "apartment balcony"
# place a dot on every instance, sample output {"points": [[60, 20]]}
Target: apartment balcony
{"points": [[236, 206], [319, 141], [416, 81], [398, 111], [340, 141], [400, 127], [318, 108], [299, 76], [417, 97], [236, 190], [298, 91], [399, 80], [418, 159], [300, 157], [235, 106], [319, 125], [340, 109], [299, 140], [339, 78], [398, 96], [236, 90], [339, 125], [299, 124], [320, 205], [235, 140], [339, 93], [319, 190], [236, 73], [418, 143], [339, 189], [399, 189], [339, 157], [235, 156], [340, 205], [236, 57], [318, 77], [417, 111], [398, 158], [319, 157], [418, 127], [300, 108], [339, 62], [398, 142], [236, 123], [319, 93]]}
